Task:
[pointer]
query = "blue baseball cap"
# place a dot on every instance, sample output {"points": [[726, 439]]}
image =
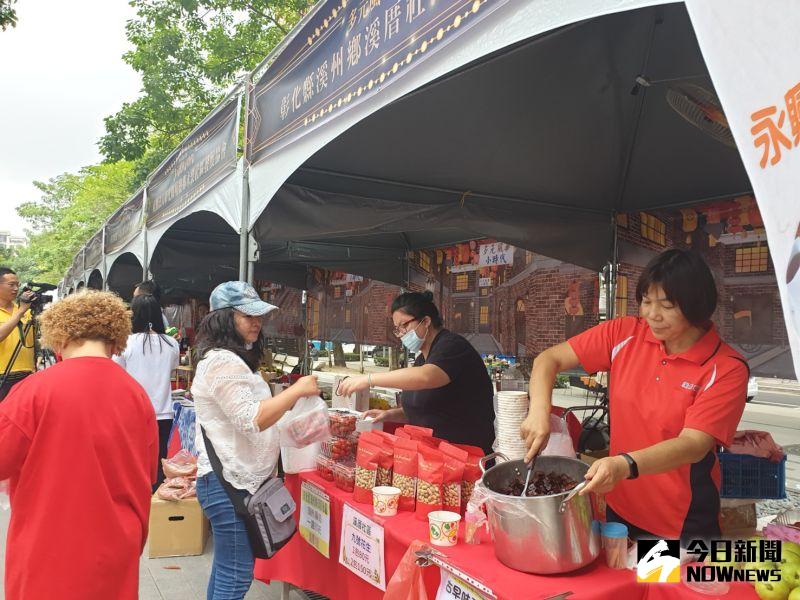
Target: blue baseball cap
{"points": [[241, 296]]}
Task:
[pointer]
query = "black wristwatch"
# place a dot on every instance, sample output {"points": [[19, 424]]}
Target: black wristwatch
{"points": [[634, 468]]}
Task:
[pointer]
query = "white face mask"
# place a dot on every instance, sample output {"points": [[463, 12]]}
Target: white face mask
{"points": [[412, 341]]}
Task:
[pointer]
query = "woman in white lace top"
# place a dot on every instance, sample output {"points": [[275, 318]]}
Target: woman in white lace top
{"points": [[237, 412]]}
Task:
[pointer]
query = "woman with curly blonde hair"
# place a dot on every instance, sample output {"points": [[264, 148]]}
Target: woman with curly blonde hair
{"points": [[79, 444]]}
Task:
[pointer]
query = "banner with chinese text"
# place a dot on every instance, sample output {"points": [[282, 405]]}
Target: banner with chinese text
{"points": [[94, 250], [345, 53], [125, 224], [204, 158], [751, 50]]}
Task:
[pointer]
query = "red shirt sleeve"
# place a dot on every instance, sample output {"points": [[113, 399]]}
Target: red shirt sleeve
{"points": [[14, 445], [595, 345], [718, 409]]}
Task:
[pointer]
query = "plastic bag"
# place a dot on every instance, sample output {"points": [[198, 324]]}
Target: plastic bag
{"points": [[475, 521], [177, 488], [407, 582], [560, 443], [454, 461], [297, 460], [182, 464], [307, 422]]}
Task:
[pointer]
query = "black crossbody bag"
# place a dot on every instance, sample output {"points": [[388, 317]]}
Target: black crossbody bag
{"points": [[267, 514]]}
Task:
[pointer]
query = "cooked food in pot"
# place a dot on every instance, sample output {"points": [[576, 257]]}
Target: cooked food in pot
{"points": [[542, 484]]}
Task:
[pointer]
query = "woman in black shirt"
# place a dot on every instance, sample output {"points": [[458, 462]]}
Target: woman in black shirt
{"points": [[448, 389]]}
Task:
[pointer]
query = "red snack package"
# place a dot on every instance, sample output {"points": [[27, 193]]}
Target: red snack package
{"points": [[454, 460], [405, 472], [367, 458], [472, 472], [430, 475], [401, 433], [416, 432]]}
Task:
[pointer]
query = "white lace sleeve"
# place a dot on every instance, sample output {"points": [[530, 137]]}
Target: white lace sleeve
{"points": [[229, 382]]}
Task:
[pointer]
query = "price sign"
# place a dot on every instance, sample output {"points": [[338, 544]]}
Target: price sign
{"points": [[454, 588], [315, 518], [361, 547]]}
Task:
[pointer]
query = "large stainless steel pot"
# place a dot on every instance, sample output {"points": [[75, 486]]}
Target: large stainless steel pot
{"points": [[541, 534]]}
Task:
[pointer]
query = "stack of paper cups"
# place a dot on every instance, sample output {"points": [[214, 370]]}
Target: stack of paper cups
{"points": [[512, 408]]}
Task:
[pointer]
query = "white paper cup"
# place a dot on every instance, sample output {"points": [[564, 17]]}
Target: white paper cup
{"points": [[443, 527], [384, 500]]}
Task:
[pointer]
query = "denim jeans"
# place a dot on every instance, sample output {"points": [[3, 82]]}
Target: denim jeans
{"points": [[232, 569]]}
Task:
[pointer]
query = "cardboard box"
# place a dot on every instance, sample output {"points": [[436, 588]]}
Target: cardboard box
{"points": [[177, 528]]}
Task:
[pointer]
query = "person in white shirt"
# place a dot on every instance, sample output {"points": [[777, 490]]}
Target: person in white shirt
{"points": [[150, 357], [235, 408]]}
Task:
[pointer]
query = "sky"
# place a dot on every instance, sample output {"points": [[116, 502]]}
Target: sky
{"points": [[61, 73]]}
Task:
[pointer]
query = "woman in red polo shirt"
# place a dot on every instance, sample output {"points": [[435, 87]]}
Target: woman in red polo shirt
{"points": [[676, 392]]}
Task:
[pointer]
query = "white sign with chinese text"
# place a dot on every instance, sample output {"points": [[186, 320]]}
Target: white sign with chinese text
{"points": [[464, 268], [348, 278], [315, 518], [485, 282], [361, 547], [493, 255], [454, 588], [751, 50]]}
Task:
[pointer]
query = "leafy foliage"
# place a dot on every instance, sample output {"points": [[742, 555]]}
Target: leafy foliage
{"points": [[189, 52], [71, 209], [8, 14]]}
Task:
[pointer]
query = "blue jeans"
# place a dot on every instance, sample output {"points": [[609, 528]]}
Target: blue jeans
{"points": [[232, 569]]}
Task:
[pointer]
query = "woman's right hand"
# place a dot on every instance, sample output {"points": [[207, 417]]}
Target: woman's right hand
{"points": [[306, 386], [535, 430]]}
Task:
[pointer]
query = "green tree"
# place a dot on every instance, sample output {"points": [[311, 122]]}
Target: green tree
{"points": [[8, 14], [189, 52], [71, 209]]}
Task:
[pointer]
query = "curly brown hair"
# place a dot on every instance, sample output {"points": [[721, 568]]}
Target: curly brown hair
{"points": [[89, 315]]}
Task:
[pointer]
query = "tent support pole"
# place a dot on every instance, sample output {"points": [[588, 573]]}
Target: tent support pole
{"points": [[245, 267], [145, 261]]}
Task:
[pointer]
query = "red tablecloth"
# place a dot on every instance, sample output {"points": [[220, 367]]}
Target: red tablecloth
{"points": [[301, 565]]}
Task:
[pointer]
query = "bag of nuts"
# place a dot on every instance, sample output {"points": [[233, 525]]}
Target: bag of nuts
{"points": [[454, 459], [430, 476], [472, 472], [405, 472], [367, 458], [386, 443]]}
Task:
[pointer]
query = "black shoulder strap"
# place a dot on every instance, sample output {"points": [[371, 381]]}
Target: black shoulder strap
{"points": [[236, 496]]}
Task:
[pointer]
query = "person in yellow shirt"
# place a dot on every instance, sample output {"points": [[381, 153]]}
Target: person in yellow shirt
{"points": [[13, 318]]}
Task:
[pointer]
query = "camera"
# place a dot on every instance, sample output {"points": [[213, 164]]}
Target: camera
{"points": [[38, 294]]}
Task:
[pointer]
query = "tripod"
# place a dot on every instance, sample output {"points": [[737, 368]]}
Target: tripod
{"points": [[41, 358]]}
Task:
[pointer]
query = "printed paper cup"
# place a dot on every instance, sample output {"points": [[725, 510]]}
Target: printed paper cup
{"points": [[384, 500], [443, 527]]}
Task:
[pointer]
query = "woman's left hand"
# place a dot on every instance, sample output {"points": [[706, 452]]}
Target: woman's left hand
{"points": [[605, 474], [353, 384]]}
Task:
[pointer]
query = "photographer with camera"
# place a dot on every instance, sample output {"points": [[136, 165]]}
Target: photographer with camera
{"points": [[13, 319]]}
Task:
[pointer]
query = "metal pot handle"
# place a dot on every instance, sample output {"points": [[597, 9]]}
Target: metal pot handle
{"points": [[482, 462], [563, 508]]}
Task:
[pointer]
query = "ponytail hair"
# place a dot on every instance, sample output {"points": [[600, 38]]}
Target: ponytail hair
{"points": [[418, 305]]}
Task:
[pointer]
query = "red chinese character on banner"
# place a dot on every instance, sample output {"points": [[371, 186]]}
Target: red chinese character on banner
{"points": [[769, 134], [793, 108]]}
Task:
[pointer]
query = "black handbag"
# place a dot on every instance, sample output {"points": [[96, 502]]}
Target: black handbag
{"points": [[267, 514]]}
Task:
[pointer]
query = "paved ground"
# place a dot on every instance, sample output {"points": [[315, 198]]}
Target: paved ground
{"points": [[778, 413]]}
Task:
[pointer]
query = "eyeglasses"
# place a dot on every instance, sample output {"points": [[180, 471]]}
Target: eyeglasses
{"points": [[11, 284], [400, 330]]}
